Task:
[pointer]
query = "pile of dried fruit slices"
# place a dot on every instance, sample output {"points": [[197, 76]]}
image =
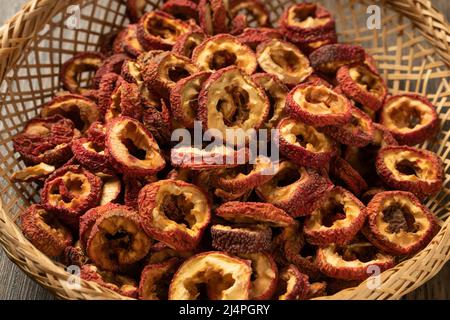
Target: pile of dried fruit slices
{"points": [[347, 193]]}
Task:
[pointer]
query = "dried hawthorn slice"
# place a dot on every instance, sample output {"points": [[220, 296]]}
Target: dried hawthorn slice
{"points": [[318, 105], [106, 43], [155, 279], [410, 169], [345, 173], [317, 80], [306, 23], [222, 276], [125, 101], [284, 60], [294, 189], [288, 247], [184, 98], [246, 176], [73, 68], [117, 240], [358, 132], [187, 42], [213, 16], [97, 133], [111, 190], [75, 255], [91, 155], [264, 277], [253, 8], [45, 231], [174, 212], [165, 70], [37, 172], [238, 24], [45, 140], [411, 118], [133, 186], [223, 156], [309, 46], [159, 30], [367, 196], [253, 213], [181, 9], [240, 104], [241, 238], [351, 262], [222, 51], [329, 58], [303, 144], [362, 85], [398, 223], [108, 84], [276, 92], [160, 252], [82, 111], [123, 285], [226, 196], [135, 9], [131, 148], [339, 217], [127, 41], [158, 120], [252, 37], [112, 64], [292, 284]]}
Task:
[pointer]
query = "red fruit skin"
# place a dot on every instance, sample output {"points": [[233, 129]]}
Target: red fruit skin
{"points": [[92, 160], [252, 37], [254, 8], [345, 172], [414, 136], [218, 17], [182, 45], [373, 234], [329, 58], [181, 9], [174, 238], [301, 287], [335, 234], [169, 267], [112, 64], [360, 95], [317, 120], [421, 188]]}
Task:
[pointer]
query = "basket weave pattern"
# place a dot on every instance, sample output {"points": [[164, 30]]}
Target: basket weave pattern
{"points": [[412, 50]]}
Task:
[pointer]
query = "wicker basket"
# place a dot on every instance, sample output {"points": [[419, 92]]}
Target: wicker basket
{"points": [[412, 49]]}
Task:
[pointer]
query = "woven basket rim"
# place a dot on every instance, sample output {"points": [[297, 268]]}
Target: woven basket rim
{"points": [[431, 24]]}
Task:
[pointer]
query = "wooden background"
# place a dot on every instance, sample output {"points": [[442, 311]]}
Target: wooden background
{"points": [[16, 285]]}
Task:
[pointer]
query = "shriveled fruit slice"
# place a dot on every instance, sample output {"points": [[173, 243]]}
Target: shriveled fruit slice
{"points": [[44, 231], [304, 145], [252, 8], [292, 284], [37, 172], [165, 70], [264, 277], [352, 261], [359, 132], [117, 240], [97, 133], [155, 279], [241, 238], [359, 83], [337, 220], [226, 196], [181, 9], [160, 252], [74, 255], [254, 213], [123, 285], [222, 51], [329, 58], [159, 30], [125, 101], [71, 191], [46, 140], [174, 212], [91, 155], [112, 64], [132, 149], [111, 189], [135, 9], [398, 223], [72, 69], [410, 169], [213, 16], [284, 60], [184, 98], [348, 176], [411, 118], [187, 42], [82, 111], [277, 92], [319, 106], [127, 41], [294, 189], [224, 277], [252, 37], [240, 104]]}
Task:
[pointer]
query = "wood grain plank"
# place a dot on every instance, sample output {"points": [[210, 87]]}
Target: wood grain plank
{"points": [[14, 284]]}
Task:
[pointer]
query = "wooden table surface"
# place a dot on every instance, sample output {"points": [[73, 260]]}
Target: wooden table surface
{"points": [[14, 284]]}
